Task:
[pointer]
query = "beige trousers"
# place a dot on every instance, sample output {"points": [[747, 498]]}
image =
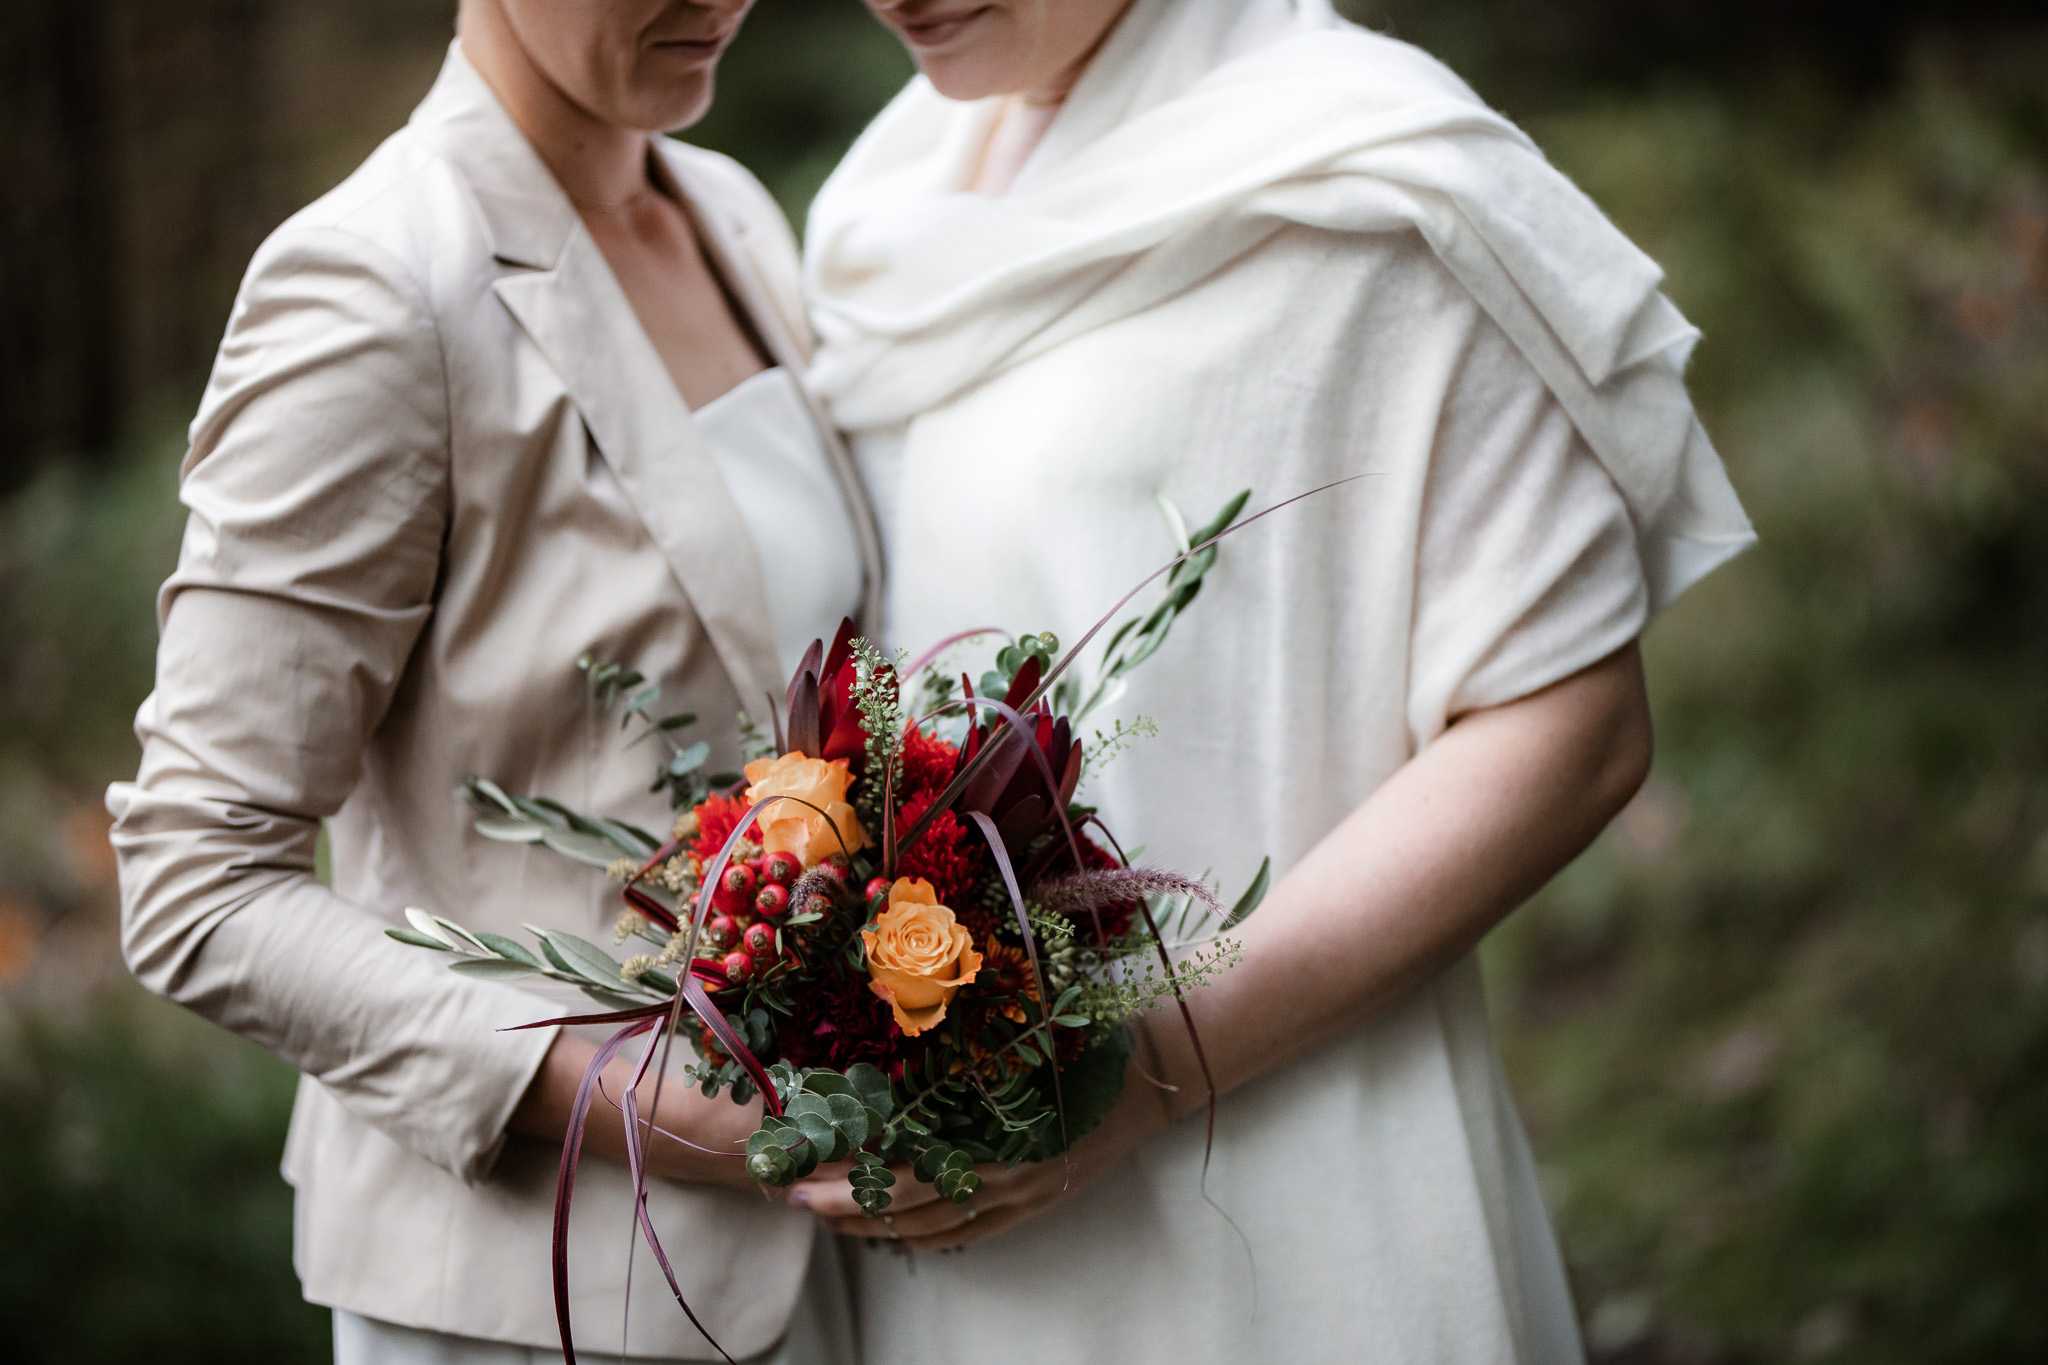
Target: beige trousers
{"points": [[820, 1333]]}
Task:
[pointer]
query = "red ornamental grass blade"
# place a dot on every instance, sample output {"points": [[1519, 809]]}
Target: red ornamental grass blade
{"points": [[692, 994], [918, 664], [636, 1166], [653, 910], [612, 1017], [565, 1182]]}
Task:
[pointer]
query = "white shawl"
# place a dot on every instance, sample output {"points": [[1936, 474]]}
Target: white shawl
{"points": [[1200, 129]]}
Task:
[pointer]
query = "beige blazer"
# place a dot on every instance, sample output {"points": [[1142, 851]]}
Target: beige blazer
{"points": [[437, 459]]}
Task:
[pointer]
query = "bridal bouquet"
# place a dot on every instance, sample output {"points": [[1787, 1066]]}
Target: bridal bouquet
{"points": [[898, 926]]}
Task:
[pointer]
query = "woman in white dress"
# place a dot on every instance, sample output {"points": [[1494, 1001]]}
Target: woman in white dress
{"points": [[1104, 251]]}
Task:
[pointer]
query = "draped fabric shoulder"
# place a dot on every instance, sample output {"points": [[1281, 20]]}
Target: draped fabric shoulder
{"points": [[1201, 129]]}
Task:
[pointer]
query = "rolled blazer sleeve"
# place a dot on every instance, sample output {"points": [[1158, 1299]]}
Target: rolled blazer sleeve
{"points": [[318, 488]]}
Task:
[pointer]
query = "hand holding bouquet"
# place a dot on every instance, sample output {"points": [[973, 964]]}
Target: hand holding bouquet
{"points": [[898, 926]]}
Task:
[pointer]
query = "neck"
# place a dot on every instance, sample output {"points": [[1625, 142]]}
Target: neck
{"points": [[1054, 91], [598, 164]]}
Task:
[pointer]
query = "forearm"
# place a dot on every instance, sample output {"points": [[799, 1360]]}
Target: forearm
{"points": [[221, 914], [713, 1131], [1414, 877]]}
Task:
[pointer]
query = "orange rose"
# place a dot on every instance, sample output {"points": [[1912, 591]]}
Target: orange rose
{"points": [[786, 826], [918, 956]]}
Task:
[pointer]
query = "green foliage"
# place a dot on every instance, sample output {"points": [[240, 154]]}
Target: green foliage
{"points": [[1143, 983], [1010, 659], [680, 770], [82, 552], [1106, 748], [1781, 1033], [826, 1116], [876, 696], [139, 1192], [1137, 639], [563, 957], [1252, 897], [1090, 1086]]}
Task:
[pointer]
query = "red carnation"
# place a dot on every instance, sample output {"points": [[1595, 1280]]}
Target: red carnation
{"points": [[944, 855], [717, 817], [928, 764]]}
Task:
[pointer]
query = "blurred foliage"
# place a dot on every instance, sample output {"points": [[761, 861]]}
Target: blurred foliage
{"points": [[1779, 1035], [138, 1187]]}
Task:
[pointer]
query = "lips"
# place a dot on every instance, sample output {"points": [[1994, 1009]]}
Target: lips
{"points": [[695, 47], [939, 29]]}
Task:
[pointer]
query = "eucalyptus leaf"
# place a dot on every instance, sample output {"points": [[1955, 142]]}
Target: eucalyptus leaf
{"points": [[492, 969], [555, 959], [1175, 522], [871, 1086], [511, 949], [462, 936], [610, 999], [584, 848], [508, 829], [642, 699], [496, 793], [827, 1140], [1253, 895], [423, 923], [639, 835], [850, 1117], [1227, 514], [585, 958]]}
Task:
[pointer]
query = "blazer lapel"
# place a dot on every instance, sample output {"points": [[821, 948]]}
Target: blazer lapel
{"points": [[565, 297], [580, 319]]}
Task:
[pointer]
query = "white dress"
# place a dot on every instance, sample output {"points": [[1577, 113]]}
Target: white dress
{"points": [[761, 437], [768, 450], [1536, 487]]}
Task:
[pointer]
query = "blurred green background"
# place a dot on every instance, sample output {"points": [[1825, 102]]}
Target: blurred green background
{"points": [[1781, 1036]]}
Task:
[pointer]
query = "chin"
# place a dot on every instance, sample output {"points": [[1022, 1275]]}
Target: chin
{"points": [[970, 75], [668, 106]]}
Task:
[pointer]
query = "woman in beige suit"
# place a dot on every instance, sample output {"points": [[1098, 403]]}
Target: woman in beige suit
{"points": [[518, 389]]}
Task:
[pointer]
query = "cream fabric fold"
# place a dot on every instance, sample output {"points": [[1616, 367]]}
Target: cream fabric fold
{"points": [[1201, 129]]}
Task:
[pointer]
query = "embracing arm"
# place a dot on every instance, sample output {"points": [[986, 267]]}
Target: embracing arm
{"points": [[1409, 881], [318, 486], [1417, 875], [317, 483]]}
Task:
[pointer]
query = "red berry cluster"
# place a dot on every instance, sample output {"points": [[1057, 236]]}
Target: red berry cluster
{"points": [[749, 904]]}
